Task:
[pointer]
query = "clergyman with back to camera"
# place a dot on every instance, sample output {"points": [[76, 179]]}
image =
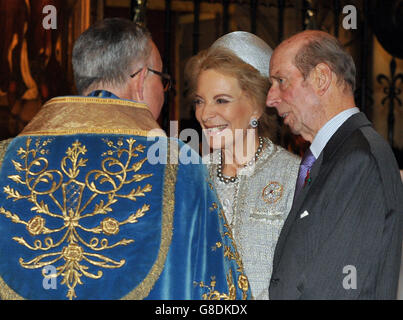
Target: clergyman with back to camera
{"points": [[80, 195]]}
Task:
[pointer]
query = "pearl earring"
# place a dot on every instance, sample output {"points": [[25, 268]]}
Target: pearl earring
{"points": [[253, 122]]}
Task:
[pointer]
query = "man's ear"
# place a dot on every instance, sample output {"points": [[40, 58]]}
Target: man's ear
{"points": [[322, 78], [138, 84]]}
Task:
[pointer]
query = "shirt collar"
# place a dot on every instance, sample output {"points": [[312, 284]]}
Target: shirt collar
{"points": [[107, 95], [103, 94], [328, 130]]}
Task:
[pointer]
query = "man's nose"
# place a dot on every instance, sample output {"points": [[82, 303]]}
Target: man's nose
{"points": [[272, 99]]}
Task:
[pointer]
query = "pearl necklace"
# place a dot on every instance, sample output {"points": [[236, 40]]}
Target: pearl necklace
{"points": [[235, 178]]}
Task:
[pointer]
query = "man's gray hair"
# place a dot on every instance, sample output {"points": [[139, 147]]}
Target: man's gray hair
{"points": [[108, 52], [327, 49]]}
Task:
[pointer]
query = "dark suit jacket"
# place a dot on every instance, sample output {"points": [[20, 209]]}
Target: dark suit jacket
{"points": [[354, 223]]}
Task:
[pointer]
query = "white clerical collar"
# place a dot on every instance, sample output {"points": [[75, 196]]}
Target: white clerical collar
{"points": [[328, 130]]}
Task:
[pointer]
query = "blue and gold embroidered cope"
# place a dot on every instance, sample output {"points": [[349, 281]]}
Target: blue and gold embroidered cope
{"points": [[89, 214]]}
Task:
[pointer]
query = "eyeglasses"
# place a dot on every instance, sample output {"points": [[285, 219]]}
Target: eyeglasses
{"points": [[165, 78]]}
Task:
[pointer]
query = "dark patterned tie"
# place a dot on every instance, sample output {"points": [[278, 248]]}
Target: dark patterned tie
{"points": [[304, 168]]}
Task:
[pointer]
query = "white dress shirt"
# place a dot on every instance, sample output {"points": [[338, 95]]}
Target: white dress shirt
{"points": [[328, 130]]}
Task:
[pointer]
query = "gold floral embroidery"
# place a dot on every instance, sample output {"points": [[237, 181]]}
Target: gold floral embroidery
{"points": [[110, 226], [217, 245], [230, 253], [36, 225], [233, 254], [243, 283], [213, 294], [42, 184]]}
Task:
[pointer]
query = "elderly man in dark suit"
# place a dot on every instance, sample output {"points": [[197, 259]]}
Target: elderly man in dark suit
{"points": [[343, 236]]}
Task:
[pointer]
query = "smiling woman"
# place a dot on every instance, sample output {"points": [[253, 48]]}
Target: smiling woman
{"points": [[221, 108], [254, 178]]}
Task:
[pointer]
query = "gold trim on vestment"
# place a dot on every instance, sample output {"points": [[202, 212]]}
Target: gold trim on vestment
{"points": [[75, 115], [137, 132], [96, 100], [6, 293]]}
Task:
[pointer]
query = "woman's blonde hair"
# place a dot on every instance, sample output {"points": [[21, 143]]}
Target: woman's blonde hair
{"points": [[252, 83]]}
